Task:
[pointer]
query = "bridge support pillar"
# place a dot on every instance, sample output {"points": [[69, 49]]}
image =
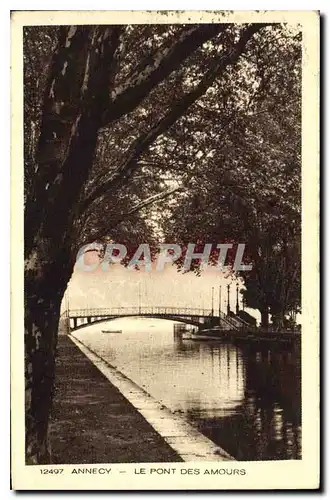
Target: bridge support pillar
{"points": [[75, 322], [89, 319]]}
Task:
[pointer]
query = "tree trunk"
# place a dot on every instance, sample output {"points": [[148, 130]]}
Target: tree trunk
{"points": [[264, 317], [45, 283], [279, 320], [65, 154]]}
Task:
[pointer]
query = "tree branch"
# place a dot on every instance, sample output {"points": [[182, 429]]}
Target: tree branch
{"points": [[178, 108], [151, 200], [136, 208], [149, 73]]}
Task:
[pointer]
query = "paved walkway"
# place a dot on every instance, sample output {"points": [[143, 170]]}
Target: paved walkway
{"points": [[93, 422]]}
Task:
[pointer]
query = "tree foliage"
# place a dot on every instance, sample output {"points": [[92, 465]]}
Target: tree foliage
{"points": [[243, 182]]}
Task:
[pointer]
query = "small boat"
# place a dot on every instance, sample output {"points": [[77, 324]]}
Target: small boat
{"points": [[206, 337], [111, 331], [202, 337]]}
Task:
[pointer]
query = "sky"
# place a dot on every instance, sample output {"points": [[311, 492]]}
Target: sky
{"points": [[121, 287]]}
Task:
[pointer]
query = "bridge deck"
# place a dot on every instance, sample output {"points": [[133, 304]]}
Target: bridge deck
{"points": [[140, 311], [193, 316]]}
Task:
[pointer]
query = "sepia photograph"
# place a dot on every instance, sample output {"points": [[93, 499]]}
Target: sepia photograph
{"points": [[162, 202]]}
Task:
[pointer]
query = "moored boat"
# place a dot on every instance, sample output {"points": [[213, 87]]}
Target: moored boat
{"points": [[111, 331]]}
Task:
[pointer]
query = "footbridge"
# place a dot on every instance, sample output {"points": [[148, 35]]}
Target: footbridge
{"points": [[80, 318]]}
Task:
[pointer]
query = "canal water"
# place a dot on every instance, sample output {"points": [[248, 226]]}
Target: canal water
{"points": [[246, 399]]}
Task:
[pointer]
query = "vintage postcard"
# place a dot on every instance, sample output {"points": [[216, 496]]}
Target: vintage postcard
{"points": [[165, 250]]}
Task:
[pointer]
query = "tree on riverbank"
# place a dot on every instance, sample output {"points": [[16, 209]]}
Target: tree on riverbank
{"points": [[244, 182], [97, 99]]}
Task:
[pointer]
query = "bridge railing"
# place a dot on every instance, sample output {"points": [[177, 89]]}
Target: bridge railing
{"points": [[137, 311]]}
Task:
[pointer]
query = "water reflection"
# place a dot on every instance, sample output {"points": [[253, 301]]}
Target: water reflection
{"points": [[245, 399], [267, 426]]}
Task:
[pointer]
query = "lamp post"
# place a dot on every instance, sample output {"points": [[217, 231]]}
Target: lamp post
{"points": [[219, 301], [220, 305], [212, 310], [140, 297], [228, 301], [237, 304]]}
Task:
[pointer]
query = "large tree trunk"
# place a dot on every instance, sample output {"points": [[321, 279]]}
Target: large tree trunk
{"points": [[45, 283], [64, 158], [40, 342]]}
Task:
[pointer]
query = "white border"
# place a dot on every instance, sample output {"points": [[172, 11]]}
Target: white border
{"points": [[4, 91]]}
